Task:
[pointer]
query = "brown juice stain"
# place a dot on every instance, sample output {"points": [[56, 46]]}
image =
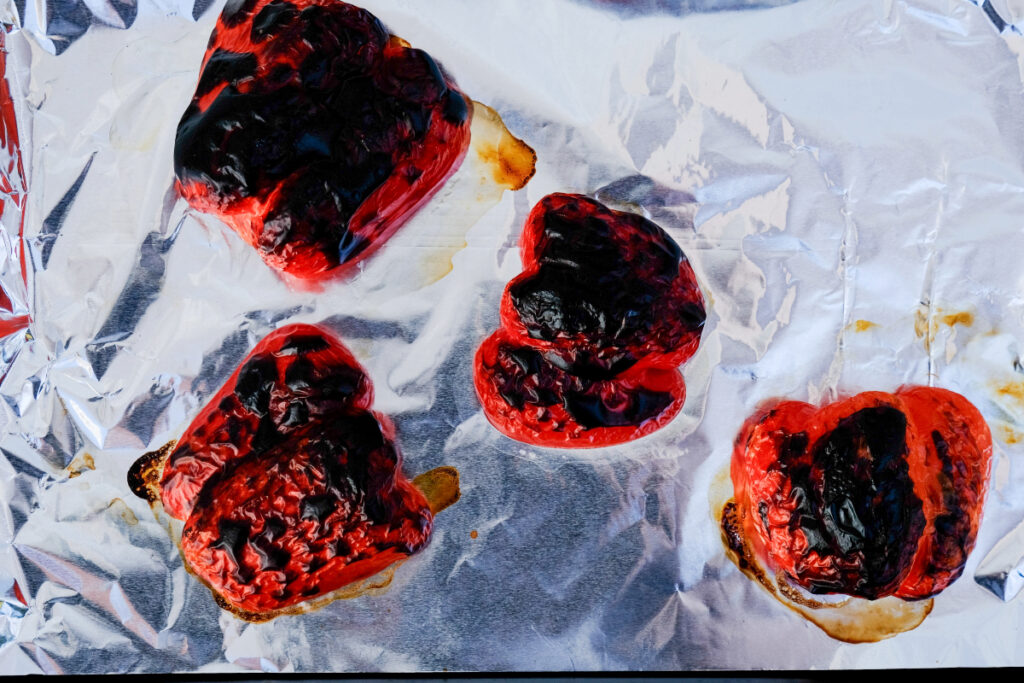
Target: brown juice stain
{"points": [[144, 474], [926, 322], [440, 486], [79, 465], [510, 161], [122, 509], [474, 534], [962, 318], [853, 620], [496, 161], [1010, 435], [922, 328], [863, 325], [1013, 390], [375, 585], [720, 493]]}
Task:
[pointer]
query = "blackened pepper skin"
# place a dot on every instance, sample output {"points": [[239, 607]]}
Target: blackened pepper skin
{"points": [[592, 331], [314, 133], [289, 486], [877, 495]]}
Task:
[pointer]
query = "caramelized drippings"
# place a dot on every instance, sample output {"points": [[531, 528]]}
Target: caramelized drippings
{"points": [[79, 465], [864, 325], [498, 161], [1010, 435], [962, 318], [122, 509], [374, 585], [853, 620], [440, 486], [144, 474], [511, 161], [1013, 390], [927, 321]]}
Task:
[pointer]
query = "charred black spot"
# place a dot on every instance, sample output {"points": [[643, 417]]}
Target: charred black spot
{"points": [[609, 281], [953, 525], [318, 508], [300, 375], [255, 382], [303, 344], [273, 528], [236, 11], [271, 19], [528, 377], [864, 501], [592, 411], [455, 108], [227, 68], [272, 558], [232, 537], [296, 415], [762, 512]]}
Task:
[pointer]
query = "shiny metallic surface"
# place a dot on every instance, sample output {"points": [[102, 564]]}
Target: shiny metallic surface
{"points": [[846, 178]]}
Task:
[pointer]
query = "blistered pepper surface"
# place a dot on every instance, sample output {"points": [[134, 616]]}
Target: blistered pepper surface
{"points": [[842, 176]]}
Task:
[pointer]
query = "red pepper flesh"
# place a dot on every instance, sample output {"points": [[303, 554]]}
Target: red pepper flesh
{"points": [[315, 134], [289, 486], [876, 495], [592, 331]]}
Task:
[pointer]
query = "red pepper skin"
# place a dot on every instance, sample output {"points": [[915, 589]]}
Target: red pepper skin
{"points": [[592, 331], [314, 134], [875, 495], [289, 486]]}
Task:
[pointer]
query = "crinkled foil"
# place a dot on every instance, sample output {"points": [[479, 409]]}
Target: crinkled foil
{"points": [[847, 179]]}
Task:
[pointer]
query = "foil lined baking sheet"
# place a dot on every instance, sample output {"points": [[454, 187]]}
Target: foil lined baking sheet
{"points": [[845, 178]]}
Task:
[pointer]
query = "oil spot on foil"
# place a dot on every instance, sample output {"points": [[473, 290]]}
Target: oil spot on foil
{"points": [[720, 493], [852, 620], [1014, 391], [440, 486], [511, 161], [928, 321], [375, 585], [474, 534], [864, 325], [144, 474], [961, 318], [123, 511], [79, 465], [1009, 435]]}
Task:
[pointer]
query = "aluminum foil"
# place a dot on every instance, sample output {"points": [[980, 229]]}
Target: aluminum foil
{"points": [[847, 179]]}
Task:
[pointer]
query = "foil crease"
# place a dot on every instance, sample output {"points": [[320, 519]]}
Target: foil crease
{"points": [[845, 178]]}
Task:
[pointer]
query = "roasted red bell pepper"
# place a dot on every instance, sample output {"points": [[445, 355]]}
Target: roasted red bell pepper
{"points": [[315, 134], [875, 495], [289, 486], [592, 331]]}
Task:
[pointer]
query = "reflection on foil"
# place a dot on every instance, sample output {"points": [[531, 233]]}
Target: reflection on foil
{"points": [[1002, 570], [826, 167]]}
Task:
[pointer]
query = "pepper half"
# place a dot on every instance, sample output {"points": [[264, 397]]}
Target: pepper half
{"points": [[289, 486], [315, 134], [592, 331], [873, 496]]}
